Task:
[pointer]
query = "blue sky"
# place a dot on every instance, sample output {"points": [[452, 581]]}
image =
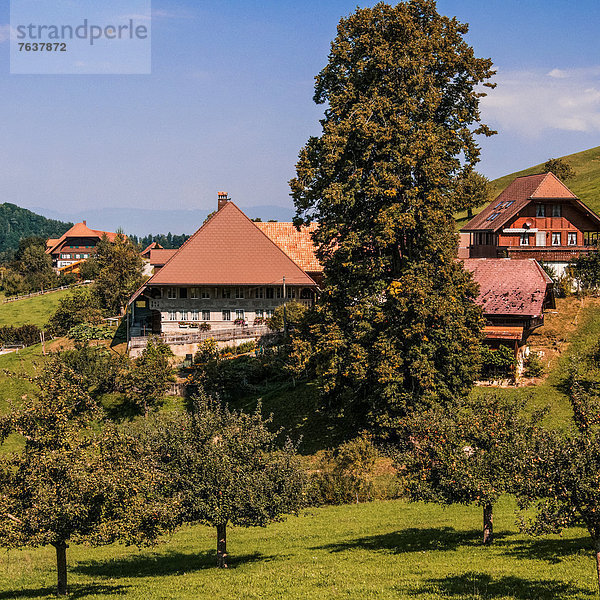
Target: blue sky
{"points": [[229, 103]]}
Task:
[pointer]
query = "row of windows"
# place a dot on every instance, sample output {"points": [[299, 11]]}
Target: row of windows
{"points": [[75, 256], [554, 210], [238, 293], [556, 239], [194, 315]]}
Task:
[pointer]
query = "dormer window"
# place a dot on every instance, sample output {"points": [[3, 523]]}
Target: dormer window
{"points": [[540, 210]]}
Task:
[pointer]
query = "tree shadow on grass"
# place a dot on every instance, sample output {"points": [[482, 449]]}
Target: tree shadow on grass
{"points": [[75, 591], [552, 551], [414, 540], [482, 585], [156, 565]]}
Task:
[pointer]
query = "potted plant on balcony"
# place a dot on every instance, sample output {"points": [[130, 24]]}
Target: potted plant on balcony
{"points": [[240, 322], [259, 321], [204, 326]]}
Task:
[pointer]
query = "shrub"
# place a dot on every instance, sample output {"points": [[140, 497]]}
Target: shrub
{"points": [[533, 365], [497, 362], [347, 474], [204, 326]]}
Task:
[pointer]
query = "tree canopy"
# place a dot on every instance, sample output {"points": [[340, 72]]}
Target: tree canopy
{"points": [[396, 324], [560, 167]]}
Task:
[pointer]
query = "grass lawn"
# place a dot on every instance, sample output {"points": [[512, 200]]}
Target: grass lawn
{"points": [[35, 311], [376, 550]]}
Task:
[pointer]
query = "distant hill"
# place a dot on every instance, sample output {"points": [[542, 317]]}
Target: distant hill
{"points": [[585, 184], [17, 222]]}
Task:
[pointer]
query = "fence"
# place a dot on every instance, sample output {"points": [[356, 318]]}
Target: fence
{"points": [[40, 293], [219, 335]]}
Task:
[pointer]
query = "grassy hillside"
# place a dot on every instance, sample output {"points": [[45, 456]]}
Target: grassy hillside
{"points": [[34, 311], [585, 184], [380, 550]]}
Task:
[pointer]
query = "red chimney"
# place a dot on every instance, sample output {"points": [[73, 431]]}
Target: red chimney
{"points": [[223, 199], [85, 223]]}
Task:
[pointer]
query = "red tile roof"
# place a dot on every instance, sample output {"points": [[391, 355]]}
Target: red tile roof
{"points": [[146, 252], [520, 193], [160, 256], [229, 249], [79, 230], [509, 286], [298, 245]]}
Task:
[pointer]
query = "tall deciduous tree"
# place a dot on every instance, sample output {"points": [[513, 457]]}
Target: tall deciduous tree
{"points": [[73, 481], [119, 268], [226, 468], [397, 324]]}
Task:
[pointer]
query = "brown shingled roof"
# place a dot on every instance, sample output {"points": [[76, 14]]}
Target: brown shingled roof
{"points": [[517, 195], [298, 245], [509, 286], [229, 249]]}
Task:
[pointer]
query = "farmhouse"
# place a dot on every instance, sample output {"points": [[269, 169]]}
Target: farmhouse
{"points": [[538, 217], [75, 246], [232, 271], [513, 295]]}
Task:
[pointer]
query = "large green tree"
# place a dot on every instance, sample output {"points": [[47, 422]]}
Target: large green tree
{"points": [[396, 325], [74, 480], [226, 468], [119, 271]]}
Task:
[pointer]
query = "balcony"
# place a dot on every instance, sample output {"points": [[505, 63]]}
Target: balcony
{"points": [[545, 253]]}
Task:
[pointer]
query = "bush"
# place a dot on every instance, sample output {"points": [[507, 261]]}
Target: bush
{"points": [[27, 335], [294, 313], [533, 365], [345, 475], [85, 332], [497, 362], [204, 326]]}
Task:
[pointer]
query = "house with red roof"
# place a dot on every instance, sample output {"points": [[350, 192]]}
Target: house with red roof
{"points": [[536, 216], [231, 270], [75, 246]]}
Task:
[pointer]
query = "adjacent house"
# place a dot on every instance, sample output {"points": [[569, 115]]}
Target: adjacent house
{"points": [[75, 246], [536, 216], [232, 270], [513, 295]]}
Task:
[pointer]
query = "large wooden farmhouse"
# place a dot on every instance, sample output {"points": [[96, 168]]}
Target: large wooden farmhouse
{"points": [[75, 246], [231, 270], [538, 217]]}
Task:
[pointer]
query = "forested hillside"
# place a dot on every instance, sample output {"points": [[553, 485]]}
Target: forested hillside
{"points": [[17, 222]]}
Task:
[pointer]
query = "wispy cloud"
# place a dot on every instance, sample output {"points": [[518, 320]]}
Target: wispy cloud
{"points": [[528, 102]]}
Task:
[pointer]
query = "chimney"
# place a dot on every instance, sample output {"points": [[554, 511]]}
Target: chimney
{"points": [[223, 199], [85, 223]]}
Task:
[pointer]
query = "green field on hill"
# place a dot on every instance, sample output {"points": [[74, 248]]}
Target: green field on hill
{"points": [[35, 311], [378, 550], [585, 184]]}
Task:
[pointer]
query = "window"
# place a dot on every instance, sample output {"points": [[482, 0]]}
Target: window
{"points": [[239, 293], [184, 315], [269, 313], [183, 292], [279, 292], [172, 315], [206, 315], [226, 293], [205, 293], [195, 315], [269, 293], [260, 313], [556, 239], [194, 293], [86, 256], [226, 315], [540, 210], [172, 293], [260, 292], [65, 256], [572, 239], [239, 314], [291, 292], [509, 203], [556, 210], [492, 216], [524, 239]]}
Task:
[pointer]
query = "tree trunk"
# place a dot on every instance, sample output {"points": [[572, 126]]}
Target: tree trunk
{"points": [[469, 213], [488, 524], [221, 546], [597, 546], [61, 568]]}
